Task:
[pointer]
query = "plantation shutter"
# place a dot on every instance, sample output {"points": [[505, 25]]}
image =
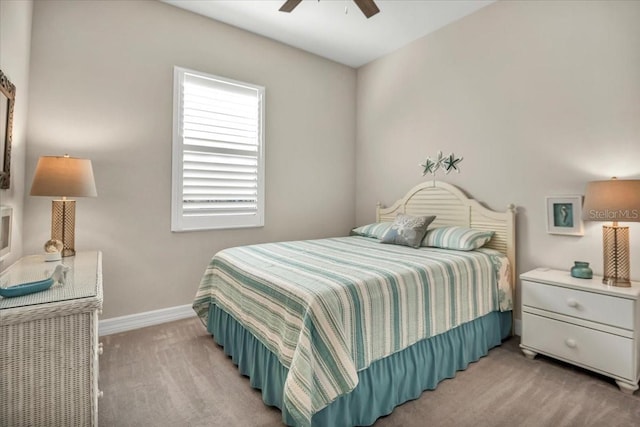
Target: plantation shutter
{"points": [[220, 137]]}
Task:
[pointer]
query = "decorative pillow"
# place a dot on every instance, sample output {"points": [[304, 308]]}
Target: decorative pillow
{"points": [[376, 230], [407, 230], [458, 238]]}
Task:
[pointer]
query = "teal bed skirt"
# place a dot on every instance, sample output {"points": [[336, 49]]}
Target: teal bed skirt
{"points": [[386, 384]]}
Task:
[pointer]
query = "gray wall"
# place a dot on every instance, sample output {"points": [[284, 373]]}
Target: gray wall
{"points": [[15, 47], [101, 88], [538, 97]]}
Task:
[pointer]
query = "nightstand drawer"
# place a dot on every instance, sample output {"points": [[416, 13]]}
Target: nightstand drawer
{"points": [[607, 353], [605, 309]]}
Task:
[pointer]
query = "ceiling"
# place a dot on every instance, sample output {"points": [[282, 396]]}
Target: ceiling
{"points": [[336, 29]]}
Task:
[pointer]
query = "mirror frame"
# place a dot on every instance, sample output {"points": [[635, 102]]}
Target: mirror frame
{"points": [[7, 89]]}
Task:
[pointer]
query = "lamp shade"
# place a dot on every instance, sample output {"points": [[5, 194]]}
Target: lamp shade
{"points": [[63, 176], [612, 200]]}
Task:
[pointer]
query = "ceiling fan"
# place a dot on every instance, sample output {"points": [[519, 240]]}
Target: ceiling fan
{"points": [[368, 7]]}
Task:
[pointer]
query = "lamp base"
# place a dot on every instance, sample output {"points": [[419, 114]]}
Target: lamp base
{"points": [[52, 256], [63, 224], [610, 281], [68, 252], [615, 250]]}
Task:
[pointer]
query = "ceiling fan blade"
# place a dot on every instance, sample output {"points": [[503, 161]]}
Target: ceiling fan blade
{"points": [[368, 7], [289, 5]]}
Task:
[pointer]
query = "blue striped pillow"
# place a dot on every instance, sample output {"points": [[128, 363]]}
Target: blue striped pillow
{"points": [[458, 238], [375, 230]]}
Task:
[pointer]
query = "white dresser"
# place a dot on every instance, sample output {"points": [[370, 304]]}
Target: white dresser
{"points": [[49, 347], [583, 322]]}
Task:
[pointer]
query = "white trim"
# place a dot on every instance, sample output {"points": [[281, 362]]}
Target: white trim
{"points": [[141, 320], [181, 222]]}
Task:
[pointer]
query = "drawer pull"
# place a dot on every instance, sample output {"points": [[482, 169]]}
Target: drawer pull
{"points": [[100, 349], [571, 343], [100, 394], [572, 303]]}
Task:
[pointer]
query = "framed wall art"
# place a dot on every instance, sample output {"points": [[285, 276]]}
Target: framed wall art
{"points": [[564, 215], [7, 101]]}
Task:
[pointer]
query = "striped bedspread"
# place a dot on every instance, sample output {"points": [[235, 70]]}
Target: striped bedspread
{"points": [[328, 308]]}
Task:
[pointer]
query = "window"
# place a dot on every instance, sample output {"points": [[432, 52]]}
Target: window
{"points": [[218, 153]]}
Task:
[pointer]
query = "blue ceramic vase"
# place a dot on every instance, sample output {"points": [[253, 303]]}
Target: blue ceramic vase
{"points": [[581, 270]]}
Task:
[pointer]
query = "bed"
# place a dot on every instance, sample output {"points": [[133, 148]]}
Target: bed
{"points": [[339, 331]]}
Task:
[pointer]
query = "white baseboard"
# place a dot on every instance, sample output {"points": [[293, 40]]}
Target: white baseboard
{"points": [[148, 318]]}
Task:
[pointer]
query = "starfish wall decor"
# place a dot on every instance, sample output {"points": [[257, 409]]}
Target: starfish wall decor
{"points": [[448, 164]]}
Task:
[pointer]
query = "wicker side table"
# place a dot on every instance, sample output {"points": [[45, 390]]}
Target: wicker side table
{"points": [[49, 347]]}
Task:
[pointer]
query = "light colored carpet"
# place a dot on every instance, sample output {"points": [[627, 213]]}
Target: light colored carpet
{"points": [[175, 375]]}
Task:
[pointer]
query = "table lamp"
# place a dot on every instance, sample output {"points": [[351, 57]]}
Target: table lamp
{"points": [[63, 176], [615, 200]]}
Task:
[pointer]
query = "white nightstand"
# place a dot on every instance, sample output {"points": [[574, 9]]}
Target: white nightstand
{"points": [[49, 347], [583, 322]]}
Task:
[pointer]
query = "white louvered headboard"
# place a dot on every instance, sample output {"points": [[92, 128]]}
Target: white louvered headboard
{"points": [[452, 207]]}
